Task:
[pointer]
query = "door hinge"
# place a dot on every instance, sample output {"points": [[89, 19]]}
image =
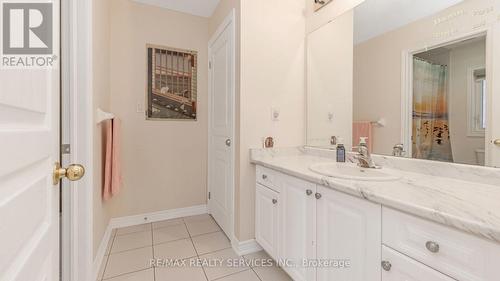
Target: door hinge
{"points": [[209, 196], [65, 149], [210, 65]]}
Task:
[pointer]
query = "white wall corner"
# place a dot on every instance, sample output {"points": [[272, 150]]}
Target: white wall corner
{"points": [[245, 247]]}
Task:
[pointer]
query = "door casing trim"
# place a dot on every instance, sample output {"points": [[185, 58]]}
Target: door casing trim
{"points": [[76, 78]]}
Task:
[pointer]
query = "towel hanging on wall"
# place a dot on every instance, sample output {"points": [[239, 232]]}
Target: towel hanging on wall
{"points": [[112, 166]]}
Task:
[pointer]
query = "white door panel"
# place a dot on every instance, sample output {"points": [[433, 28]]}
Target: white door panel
{"points": [[29, 147], [220, 170]]}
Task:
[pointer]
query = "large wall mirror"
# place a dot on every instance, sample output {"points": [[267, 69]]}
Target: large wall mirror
{"points": [[417, 78]]}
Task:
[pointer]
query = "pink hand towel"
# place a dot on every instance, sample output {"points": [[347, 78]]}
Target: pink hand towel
{"points": [[361, 129], [112, 166]]}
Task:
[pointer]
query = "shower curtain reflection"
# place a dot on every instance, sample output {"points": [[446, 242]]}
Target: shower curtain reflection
{"points": [[431, 135]]}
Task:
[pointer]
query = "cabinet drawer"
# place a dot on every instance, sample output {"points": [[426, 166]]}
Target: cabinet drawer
{"points": [[457, 254], [268, 178], [398, 267]]}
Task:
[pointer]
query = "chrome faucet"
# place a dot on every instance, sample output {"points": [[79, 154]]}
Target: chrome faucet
{"points": [[365, 159], [398, 150]]}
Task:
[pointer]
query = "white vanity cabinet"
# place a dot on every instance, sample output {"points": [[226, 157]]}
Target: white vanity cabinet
{"points": [[348, 228], [317, 224]]}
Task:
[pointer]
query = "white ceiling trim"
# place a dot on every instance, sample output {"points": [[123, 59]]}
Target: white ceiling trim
{"points": [[202, 8]]}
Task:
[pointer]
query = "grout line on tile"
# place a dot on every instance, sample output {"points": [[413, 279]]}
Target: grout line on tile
{"points": [[153, 252], [197, 255], [166, 242], [123, 274], [128, 250], [212, 252], [220, 230], [234, 273], [256, 273], [123, 234], [108, 254]]}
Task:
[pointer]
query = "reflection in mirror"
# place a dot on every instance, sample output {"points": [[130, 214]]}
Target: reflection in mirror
{"points": [[422, 81], [448, 116]]}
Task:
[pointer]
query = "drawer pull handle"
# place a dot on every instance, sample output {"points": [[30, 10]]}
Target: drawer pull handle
{"points": [[264, 177], [318, 196], [433, 247], [386, 265], [309, 192], [275, 201]]}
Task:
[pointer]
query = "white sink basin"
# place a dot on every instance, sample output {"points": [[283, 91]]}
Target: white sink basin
{"points": [[351, 171]]}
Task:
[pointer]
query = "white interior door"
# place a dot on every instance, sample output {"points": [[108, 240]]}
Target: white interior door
{"points": [[29, 147], [221, 111]]}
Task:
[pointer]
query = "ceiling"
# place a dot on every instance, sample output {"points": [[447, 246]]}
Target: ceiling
{"points": [[376, 17], [203, 8]]}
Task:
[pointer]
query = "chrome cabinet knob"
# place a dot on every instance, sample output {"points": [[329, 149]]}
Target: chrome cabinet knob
{"points": [[318, 196], [228, 142], [386, 265], [433, 247], [309, 192], [496, 142], [275, 201]]}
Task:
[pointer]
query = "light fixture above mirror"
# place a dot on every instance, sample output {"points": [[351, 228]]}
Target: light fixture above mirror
{"points": [[318, 4]]}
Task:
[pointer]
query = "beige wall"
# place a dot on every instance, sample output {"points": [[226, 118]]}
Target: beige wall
{"points": [[272, 74], [377, 68], [101, 98], [164, 162]]}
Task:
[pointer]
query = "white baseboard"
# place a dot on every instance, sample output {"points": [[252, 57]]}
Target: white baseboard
{"points": [[158, 216], [245, 247], [137, 220]]}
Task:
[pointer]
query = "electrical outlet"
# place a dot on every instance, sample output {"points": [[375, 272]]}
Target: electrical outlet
{"points": [[275, 114]]}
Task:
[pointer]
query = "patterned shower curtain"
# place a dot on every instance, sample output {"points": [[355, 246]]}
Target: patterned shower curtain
{"points": [[431, 131]]}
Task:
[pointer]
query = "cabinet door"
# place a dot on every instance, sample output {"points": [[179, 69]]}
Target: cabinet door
{"points": [[399, 267], [298, 212], [349, 232], [266, 219]]}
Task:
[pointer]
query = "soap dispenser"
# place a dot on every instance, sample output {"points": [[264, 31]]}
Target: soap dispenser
{"points": [[340, 150]]}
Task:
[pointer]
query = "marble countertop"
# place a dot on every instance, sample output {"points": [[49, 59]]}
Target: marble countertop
{"points": [[471, 206]]}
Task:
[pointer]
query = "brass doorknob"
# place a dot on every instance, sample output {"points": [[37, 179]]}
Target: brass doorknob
{"points": [[74, 172], [496, 142]]}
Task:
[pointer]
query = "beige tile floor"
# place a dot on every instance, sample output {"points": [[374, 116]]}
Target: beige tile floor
{"points": [[197, 241]]}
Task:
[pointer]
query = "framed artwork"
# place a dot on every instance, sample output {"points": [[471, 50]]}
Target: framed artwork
{"points": [[171, 83]]}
